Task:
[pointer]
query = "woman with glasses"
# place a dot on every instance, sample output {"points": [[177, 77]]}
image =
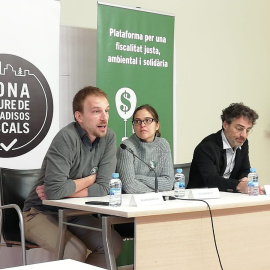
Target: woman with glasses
{"points": [[146, 144]]}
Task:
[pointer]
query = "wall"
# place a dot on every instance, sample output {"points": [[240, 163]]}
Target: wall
{"points": [[222, 56], [77, 66]]}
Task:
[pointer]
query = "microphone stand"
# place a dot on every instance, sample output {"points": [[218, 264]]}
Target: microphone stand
{"points": [[124, 147]]}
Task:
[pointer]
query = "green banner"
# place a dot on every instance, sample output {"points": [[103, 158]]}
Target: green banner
{"points": [[135, 65]]}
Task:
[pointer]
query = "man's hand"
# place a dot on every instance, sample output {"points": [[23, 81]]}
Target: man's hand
{"points": [[261, 190], [40, 192], [243, 186]]}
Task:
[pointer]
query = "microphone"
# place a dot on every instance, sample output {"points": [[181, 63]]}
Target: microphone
{"points": [[124, 147]]}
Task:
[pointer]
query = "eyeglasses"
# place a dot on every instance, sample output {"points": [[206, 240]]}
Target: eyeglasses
{"points": [[241, 129], [146, 121]]}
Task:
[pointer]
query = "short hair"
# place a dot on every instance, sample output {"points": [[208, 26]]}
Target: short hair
{"points": [[153, 113], [237, 110], [83, 94]]}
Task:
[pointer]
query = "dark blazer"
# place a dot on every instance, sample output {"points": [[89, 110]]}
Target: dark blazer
{"points": [[209, 163]]}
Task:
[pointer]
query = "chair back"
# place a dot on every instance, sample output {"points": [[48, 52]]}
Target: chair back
{"points": [[186, 168], [15, 185]]}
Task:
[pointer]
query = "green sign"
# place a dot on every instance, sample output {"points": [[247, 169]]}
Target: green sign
{"points": [[135, 65]]}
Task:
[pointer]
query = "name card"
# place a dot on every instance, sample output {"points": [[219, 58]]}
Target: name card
{"points": [[267, 189], [146, 199], [204, 193]]}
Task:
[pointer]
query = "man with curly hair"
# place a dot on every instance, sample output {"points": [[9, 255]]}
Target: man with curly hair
{"points": [[222, 159]]}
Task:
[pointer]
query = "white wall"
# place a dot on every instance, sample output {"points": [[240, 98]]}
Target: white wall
{"points": [[77, 66], [222, 56]]}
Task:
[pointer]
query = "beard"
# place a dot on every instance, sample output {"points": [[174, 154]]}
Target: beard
{"points": [[238, 143]]}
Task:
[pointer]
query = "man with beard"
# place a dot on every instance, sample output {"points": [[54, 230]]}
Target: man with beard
{"points": [[222, 159], [79, 163]]}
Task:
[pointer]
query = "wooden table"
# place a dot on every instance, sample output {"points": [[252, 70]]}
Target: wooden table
{"points": [[178, 234]]}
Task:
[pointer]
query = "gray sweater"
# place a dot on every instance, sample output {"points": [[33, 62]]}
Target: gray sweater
{"points": [[68, 159], [136, 177]]}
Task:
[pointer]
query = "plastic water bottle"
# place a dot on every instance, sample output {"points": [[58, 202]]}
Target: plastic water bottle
{"points": [[115, 190], [179, 184], [253, 184]]}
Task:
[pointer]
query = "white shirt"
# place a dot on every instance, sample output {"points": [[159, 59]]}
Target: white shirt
{"points": [[230, 154]]}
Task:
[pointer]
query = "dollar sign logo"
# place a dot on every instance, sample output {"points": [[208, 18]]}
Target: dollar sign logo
{"points": [[125, 107], [125, 102]]}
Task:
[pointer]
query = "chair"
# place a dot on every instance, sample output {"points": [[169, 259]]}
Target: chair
{"points": [[186, 168], [15, 186]]}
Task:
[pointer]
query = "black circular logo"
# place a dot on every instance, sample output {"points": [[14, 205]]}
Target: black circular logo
{"points": [[26, 106]]}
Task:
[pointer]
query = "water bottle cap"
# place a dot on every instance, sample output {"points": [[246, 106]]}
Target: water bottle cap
{"points": [[115, 175], [252, 170], [179, 170]]}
